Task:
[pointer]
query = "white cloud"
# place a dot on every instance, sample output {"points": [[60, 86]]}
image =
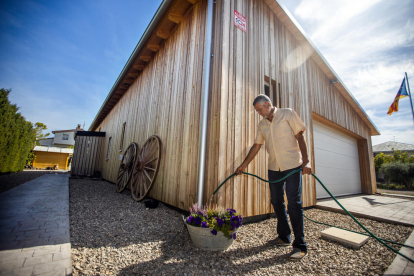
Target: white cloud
{"points": [[398, 126], [370, 44], [404, 136], [331, 15], [378, 84]]}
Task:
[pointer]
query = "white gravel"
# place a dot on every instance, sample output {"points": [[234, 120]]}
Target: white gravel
{"points": [[112, 234]]}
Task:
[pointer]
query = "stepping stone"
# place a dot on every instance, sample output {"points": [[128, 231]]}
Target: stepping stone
{"points": [[346, 238]]}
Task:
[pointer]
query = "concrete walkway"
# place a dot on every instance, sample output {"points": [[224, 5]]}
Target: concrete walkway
{"points": [[381, 208], [34, 228], [397, 210]]}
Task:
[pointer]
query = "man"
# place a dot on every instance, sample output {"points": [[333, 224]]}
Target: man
{"points": [[281, 130]]}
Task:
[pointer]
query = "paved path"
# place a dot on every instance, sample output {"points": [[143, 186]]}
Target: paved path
{"points": [[34, 228], [395, 192], [383, 208]]}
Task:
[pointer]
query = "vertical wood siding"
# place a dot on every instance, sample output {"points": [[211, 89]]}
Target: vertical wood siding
{"points": [[240, 63], [87, 155], [165, 101]]}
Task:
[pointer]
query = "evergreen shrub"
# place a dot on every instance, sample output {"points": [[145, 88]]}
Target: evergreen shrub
{"points": [[17, 136]]}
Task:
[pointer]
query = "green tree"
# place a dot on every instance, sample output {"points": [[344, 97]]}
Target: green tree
{"points": [[398, 172], [39, 128], [16, 136], [381, 159], [30, 158], [402, 157]]}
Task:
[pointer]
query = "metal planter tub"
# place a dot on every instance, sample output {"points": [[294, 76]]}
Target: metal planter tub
{"points": [[205, 240]]}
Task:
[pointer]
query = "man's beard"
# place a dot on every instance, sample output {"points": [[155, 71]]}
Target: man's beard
{"points": [[266, 116]]}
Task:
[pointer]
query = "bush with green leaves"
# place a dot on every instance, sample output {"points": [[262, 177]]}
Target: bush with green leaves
{"points": [[17, 136], [398, 172], [397, 156]]}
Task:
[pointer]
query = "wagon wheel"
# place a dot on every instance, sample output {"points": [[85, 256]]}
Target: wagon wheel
{"points": [[146, 168], [125, 168]]}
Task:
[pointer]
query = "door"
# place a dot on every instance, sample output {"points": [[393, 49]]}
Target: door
{"points": [[336, 162]]}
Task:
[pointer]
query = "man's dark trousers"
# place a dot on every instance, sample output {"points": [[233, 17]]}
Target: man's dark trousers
{"points": [[293, 186]]}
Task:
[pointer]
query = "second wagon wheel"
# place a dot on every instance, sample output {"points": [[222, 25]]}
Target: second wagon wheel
{"points": [[126, 166], [146, 168]]}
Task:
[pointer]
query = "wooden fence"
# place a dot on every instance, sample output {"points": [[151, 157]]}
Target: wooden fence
{"points": [[88, 152]]}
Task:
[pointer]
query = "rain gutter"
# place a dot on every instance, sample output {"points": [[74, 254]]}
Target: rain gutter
{"points": [[204, 103]]}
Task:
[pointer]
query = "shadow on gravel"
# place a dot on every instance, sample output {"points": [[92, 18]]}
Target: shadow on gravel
{"points": [[175, 261], [109, 227], [113, 234]]}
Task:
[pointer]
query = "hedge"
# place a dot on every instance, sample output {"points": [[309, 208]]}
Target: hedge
{"points": [[17, 136]]}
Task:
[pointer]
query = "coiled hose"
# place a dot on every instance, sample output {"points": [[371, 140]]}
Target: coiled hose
{"points": [[382, 241]]}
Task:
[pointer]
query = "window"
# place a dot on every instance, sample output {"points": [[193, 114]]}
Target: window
{"points": [[65, 137], [280, 96], [272, 90], [267, 86], [109, 148], [122, 137]]}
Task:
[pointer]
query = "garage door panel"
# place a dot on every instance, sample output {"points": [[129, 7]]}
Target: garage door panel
{"points": [[334, 145], [337, 185], [336, 162], [332, 160]]}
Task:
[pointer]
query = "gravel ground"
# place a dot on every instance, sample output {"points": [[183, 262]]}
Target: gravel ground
{"points": [[10, 180], [112, 234]]}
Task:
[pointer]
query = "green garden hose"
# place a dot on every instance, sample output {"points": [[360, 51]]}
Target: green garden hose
{"points": [[382, 241]]}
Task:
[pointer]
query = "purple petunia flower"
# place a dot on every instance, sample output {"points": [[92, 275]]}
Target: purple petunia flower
{"points": [[214, 232], [220, 222], [233, 225], [204, 224], [190, 219], [234, 236], [197, 221]]}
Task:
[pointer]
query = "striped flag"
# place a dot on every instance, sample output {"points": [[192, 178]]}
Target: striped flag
{"points": [[402, 92]]}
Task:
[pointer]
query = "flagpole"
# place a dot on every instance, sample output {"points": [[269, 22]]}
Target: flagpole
{"points": [[409, 93]]}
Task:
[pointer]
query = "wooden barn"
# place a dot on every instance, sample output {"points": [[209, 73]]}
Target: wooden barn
{"points": [[191, 81]]}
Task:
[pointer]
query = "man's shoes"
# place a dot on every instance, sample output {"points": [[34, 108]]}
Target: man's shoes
{"points": [[278, 242], [297, 254]]}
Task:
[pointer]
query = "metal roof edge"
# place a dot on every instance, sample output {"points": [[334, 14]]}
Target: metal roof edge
{"points": [[146, 35], [324, 60]]}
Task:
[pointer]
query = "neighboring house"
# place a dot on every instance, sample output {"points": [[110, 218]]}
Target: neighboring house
{"points": [[172, 74], [389, 148], [55, 152]]}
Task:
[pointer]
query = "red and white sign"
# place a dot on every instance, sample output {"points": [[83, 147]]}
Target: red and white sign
{"points": [[240, 21]]}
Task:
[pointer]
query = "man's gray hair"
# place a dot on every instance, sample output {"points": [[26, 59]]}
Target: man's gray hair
{"points": [[262, 99]]}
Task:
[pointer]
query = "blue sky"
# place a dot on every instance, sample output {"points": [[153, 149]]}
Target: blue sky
{"points": [[61, 58]]}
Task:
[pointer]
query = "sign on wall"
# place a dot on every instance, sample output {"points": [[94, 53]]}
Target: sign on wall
{"points": [[240, 21]]}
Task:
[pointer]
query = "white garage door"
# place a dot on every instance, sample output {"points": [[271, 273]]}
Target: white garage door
{"points": [[336, 162]]}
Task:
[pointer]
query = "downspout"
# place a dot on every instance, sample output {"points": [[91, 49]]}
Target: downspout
{"points": [[204, 103]]}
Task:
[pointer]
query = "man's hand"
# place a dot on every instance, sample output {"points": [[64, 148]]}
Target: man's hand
{"points": [[252, 153], [240, 169], [306, 168]]}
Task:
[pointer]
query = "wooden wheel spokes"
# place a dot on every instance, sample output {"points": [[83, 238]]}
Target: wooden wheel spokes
{"points": [[126, 167], [146, 168]]}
